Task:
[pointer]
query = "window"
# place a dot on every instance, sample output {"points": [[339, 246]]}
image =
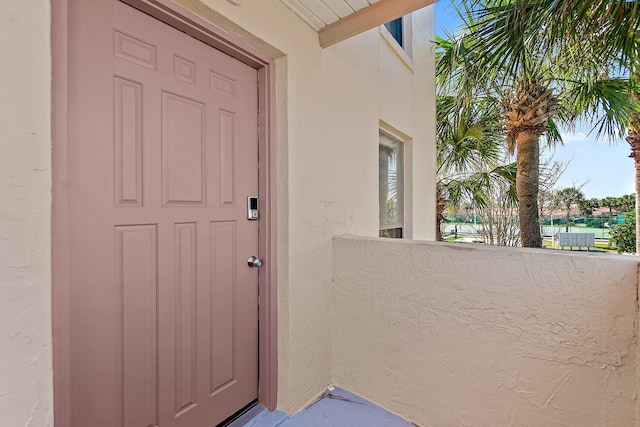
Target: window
{"points": [[397, 34], [395, 27], [391, 185]]}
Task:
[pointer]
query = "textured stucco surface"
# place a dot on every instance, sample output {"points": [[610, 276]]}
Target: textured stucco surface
{"points": [[329, 106], [453, 335], [25, 206]]}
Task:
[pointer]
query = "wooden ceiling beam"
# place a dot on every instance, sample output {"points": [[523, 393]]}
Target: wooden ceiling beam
{"points": [[367, 18]]}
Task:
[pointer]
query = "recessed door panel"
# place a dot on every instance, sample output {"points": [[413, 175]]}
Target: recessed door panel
{"points": [[137, 323], [183, 150]]}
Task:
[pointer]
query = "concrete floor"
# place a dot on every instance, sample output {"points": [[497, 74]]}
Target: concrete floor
{"points": [[333, 411]]}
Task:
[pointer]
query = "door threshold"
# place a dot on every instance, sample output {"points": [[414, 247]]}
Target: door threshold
{"points": [[244, 415]]}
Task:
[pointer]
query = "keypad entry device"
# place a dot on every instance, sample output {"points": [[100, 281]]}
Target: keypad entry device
{"points": [[252, 208]]}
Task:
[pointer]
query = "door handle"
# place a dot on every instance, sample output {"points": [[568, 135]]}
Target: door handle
{"points": [[254, 262]]}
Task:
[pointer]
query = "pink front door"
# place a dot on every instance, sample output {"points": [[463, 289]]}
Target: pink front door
{"points": [[163, 153]]}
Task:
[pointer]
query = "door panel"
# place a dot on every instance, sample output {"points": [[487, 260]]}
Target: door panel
{"points": [[163, 152]]}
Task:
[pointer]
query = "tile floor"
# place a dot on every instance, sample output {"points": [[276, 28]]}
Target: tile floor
{"points": [[333, 412]]}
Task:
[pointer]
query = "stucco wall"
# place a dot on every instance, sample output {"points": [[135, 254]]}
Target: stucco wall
{"points": [[453, 335], [329, 106], [330, 103], [25, 205]]}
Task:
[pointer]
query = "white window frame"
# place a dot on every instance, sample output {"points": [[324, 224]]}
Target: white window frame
{"points": [[406, 223], [405, 52]]}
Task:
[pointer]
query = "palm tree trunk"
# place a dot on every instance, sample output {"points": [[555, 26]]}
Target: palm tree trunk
{"points": [[634, 140], [527, 181], [441, 204]]}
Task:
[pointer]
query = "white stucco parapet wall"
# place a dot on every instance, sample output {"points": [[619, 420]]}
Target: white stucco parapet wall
{"points": [[26, 390], [460, 335]]}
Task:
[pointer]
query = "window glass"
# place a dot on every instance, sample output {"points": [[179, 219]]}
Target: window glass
{"points": [[395, 28], [390, 181]]}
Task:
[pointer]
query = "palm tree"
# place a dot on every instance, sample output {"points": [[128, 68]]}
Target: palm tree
{"points": [[537, 87], [604, 29], [528, 107], [611, 203], [633, 138], [587, 206], [567, 198], [468, 154], [627, 202], [607, 31]]}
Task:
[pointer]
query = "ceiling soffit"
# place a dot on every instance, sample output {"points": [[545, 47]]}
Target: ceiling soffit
{"points": [[337, 20]]}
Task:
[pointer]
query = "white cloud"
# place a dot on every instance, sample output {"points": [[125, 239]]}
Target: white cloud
{"points": [[568, 138]]}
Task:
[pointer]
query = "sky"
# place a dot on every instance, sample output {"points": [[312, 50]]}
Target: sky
{"points": [[601, 167]]}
